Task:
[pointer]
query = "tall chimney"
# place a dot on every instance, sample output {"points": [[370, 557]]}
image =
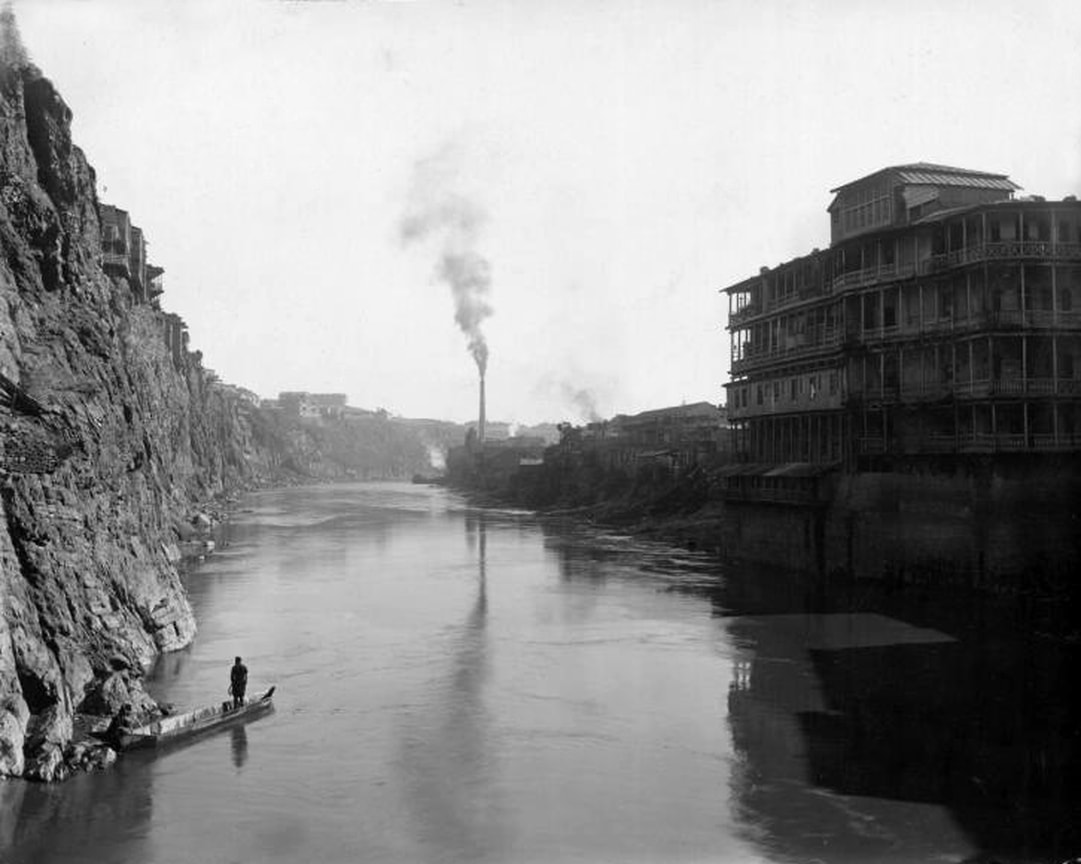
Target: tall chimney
{"points": [[480, 421]]}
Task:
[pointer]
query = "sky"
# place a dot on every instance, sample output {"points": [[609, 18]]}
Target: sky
{"points": [[324, 180]]}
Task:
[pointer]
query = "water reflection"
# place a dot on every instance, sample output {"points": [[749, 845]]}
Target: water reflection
{"points": [[239, 746], [871, 722], [451, 789], [106, 812]]}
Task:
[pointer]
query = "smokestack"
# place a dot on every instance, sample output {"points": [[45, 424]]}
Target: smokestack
{"points": [[480, 420]]}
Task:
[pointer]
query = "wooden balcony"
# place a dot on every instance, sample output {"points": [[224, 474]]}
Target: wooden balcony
{"points": [[1008, 251], [822, 339], [978, 388], [114, 262], [974, 442], [874, 275]]}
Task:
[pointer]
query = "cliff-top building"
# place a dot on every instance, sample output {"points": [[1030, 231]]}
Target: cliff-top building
{"points": [[123, 254], [945, 317]]}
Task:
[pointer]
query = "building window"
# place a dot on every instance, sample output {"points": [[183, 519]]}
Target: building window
{"points": [[793, 388], [759, 394]]}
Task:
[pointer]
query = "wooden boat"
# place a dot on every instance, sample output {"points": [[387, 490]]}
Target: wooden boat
{"points": [[179, 727]]}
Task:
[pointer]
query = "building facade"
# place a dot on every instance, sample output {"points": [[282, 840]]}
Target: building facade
{"points": [[123, 254], [945, 318]]}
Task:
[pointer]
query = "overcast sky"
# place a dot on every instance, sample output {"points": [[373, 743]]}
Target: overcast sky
{"points": [[619, 162]]}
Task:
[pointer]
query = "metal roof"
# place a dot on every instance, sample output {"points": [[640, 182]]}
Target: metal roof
{"points": [[942, 175], [972, 181]]}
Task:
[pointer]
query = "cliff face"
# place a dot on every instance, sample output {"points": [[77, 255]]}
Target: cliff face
{"points": [[105, 445], [110, 437]]}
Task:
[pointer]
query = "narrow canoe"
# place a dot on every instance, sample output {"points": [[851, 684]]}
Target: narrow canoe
{"points": [[180, 726]]}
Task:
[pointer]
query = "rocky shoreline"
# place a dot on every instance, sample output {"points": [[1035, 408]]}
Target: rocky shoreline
{"points": [[119, 452]]}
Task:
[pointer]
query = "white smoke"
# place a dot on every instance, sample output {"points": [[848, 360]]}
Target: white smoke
{"points": [[438, 210]]}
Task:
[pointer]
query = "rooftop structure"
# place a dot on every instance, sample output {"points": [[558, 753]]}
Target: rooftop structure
{"points": [[900, 195]]}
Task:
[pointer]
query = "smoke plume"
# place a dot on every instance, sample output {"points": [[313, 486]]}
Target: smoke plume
{"points": [[437, 211], [583, 400]]}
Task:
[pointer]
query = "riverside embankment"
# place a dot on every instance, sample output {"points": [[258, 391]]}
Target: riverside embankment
{"points": [[998, 530]]}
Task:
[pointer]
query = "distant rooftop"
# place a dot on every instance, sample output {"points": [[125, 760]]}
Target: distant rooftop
{"points": [[932, 174]]}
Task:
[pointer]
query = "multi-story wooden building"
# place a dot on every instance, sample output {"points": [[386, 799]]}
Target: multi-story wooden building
{"points": [[123, 254], [945, 318]]}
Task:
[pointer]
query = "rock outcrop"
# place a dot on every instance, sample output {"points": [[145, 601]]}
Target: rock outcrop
{"points": [[99, 444], [106, 444]]}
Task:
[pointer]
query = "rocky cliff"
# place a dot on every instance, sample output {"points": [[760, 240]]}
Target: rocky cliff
{"points": [[107, 442]]}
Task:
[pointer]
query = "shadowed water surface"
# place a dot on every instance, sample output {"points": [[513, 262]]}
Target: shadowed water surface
{"points": [[466, 685]]}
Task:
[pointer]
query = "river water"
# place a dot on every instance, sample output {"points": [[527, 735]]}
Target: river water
{"points": [[457, 684]]}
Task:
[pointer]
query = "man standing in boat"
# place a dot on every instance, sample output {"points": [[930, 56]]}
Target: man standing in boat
{"points": [[238, 678]]}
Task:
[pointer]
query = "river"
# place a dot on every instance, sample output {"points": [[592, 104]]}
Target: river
{"points": [[457, 684]]}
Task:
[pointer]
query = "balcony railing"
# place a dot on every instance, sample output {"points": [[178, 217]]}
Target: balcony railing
{"points": [[776, 303], [926, 390], [822, 339], [978, 388], [116, 262], [748, 311], [973, 442], [1013, 249], [871, 275]]}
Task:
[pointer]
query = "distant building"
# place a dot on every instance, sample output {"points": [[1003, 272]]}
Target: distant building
{"points": [[313, 406], [493, 430], [700, 424], [678, 436], [123, 254], [548, 431], [176, 338], [329, 404]]}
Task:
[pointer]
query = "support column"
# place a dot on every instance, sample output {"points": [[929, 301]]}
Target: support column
{"points": [[1024, 364], [968, 296], [971, 367], [901, 370], [1054, 285], [1054, 366], [1024, 305]]}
